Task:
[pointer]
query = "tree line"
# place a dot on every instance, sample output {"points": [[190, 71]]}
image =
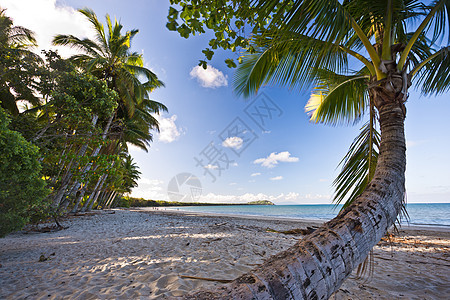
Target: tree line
{"points": [[65, 124]]}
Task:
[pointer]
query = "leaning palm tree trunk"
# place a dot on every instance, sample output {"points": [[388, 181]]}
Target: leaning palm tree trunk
{"points": [[68, 176], [97, 192], [115, 200], [88, 167], [104, 197], [111, 200], [317, 265]]}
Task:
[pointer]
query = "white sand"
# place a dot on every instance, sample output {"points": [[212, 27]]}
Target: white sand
{"points": [[143, 255]]}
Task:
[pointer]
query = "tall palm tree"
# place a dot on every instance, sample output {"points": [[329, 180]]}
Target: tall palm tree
{"points": [[18, 65], [311, 42], [109, 57]]}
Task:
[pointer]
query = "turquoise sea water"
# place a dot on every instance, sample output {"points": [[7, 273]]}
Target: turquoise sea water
{"points": [[435, 214]]}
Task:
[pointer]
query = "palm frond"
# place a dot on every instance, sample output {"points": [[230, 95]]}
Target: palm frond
{"points": [[358, 166], [338, 99], [85, 45], [434, 75], [326, 20], [97, 25], [441, 20], [289, 62]]}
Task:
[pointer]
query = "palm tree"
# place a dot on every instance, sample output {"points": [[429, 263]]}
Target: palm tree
{"points": [[311, 42], [18, 65], [109, 57]]}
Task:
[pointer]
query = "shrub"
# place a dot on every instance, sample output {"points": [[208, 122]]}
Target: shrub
{"points": [[22, 190]]}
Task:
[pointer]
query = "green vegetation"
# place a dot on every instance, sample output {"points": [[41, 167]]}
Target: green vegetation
{"points": [[22, 191], [261, 202], [140, 202], [66, 123]]}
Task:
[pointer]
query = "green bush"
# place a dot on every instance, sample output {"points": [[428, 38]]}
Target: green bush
{"points": [[123, 202], [22, 190]]}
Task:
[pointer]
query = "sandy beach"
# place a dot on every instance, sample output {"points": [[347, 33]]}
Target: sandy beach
{"points": [[154, 254]]}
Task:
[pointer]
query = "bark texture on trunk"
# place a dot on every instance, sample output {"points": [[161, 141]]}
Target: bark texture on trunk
{"points": [[318, 264]]}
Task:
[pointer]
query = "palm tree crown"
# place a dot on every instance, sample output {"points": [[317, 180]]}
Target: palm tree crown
{"points": [[109, 57], [308, 45], [17, 64]]}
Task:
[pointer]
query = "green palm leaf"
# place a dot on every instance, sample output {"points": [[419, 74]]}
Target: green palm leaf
{"points": [[290, 62], [358, 166], [434, 73], [338, 99]]}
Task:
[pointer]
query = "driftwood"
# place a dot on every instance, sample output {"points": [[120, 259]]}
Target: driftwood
{"points": [[301, 231], [207, 279]]}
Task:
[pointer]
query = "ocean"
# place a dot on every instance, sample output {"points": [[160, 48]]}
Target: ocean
{"points": [[423, 214]]}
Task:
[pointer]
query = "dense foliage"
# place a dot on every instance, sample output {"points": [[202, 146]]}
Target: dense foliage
{"points": [[22, 191], [66, 123]]}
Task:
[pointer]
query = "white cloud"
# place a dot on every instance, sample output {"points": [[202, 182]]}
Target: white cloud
{"points": [[255, 174], [212, 167], [150, 189], [235, 164], [273, 159], [169, 132], [289, 198], [413, 143], [234, 142], [48, 18], [209, 78], [276, 178], [232, 183]]}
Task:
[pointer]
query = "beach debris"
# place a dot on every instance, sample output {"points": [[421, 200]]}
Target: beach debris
{"points": [[45, 258], [51, 228], [243, 227], [212, 240], [220, 224], [206, 279], [262, 253], [301, 231]]}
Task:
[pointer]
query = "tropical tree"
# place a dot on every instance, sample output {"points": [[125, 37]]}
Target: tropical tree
{"points": [[109, 58], [299, 43], [18, 65]]}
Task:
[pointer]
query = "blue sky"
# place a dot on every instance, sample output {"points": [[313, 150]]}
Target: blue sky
{"points": [[287, 159]]}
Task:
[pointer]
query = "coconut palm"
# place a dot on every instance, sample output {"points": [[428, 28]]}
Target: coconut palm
{"points": [[312, 42], [109, 57], [18, 65]]}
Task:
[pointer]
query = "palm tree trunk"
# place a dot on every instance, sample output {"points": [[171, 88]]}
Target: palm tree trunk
{"points": [[111, 200], [317, 265], [97, 192], [68, 176], [114, 200], [79, 198], [91, 196], [88, 167], [104, 197]]}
